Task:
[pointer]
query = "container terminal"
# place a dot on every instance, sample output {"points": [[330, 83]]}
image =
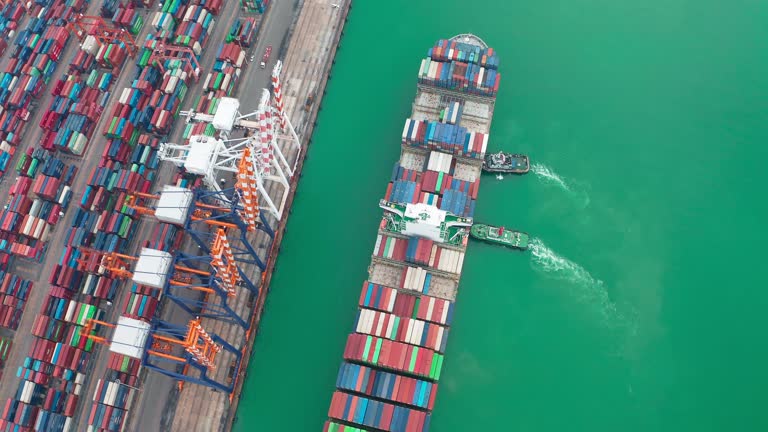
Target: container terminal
{"points": [[393, 358], [147, 167]]}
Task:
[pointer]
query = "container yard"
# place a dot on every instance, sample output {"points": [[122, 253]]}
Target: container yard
{"points": [[118, 313], [393, 357]]}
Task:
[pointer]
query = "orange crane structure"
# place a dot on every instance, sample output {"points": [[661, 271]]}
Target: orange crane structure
{"points": [[84, 25], [200, 292], [163, 347]]}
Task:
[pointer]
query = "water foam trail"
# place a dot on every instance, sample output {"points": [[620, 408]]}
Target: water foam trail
{"points": [[546, 173], [587, 289], [550, 176]]}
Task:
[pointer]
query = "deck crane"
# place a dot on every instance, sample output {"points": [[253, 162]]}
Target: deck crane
{"points": [[185, 55], [106, 33], [163, 347], [267, 126]]}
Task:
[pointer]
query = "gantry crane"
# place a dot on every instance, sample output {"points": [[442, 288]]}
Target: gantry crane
{"points": [[185, 55], [178, 276], [202, 213], [163, 347], [106, 33], [211, 158]]}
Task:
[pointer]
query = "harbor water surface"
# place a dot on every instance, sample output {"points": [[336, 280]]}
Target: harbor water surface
{"points": [[641, 304]]}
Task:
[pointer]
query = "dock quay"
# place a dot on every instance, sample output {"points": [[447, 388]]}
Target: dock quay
{"points": [[117, 263], [389, 377]]}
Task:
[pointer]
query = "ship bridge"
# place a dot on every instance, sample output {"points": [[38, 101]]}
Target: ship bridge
{"points": [[424, 220]]}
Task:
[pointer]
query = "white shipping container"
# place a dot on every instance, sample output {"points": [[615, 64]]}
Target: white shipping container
{"points": [[390, 324], [201, 18], [87, 283], [415, 131], [197, 48], [13, 83], [98, 222], [240, 59], [421, 68], [225, 81], [430, 306], [432, 256], [27, 228], [188, 15], [70, 310], [34, 210], [378, 244], [111, 394], [460, 264], [95, 394], [408, 277], [422, 279], [444, 316], [67, 424], [78, 389], [66, 190], [26, 392], [408, 330], [405, 129], [207, 80], [485, 144], [39, 228]]}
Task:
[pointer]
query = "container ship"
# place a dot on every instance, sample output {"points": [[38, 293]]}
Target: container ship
{"points": [[393, 358]]}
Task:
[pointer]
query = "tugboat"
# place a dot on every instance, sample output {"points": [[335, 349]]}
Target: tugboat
{"points": [[502, 162], [500, 236]]}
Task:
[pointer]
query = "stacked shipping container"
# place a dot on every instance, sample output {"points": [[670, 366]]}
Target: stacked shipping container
{"points": [[435, 185], [102, 223], [444, 137], [33, 61], [13, 297]]}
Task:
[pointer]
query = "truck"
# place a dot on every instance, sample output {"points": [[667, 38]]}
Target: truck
{"points": [[265, 58]]}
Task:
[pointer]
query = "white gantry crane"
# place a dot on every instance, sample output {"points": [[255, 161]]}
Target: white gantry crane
{"points": [[211, 157]]}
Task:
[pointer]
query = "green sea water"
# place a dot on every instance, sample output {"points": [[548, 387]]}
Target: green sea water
{"points": [[641, 305]]}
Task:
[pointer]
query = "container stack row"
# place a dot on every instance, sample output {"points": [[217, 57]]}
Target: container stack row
{"points": [[444, 137], [226, 71], [407, 330], [434, 186], [35, 205], [6, 344], [405, 304], [385, 385], [259, 6], [243, 31], [13, 298], [11, 15], [74, 111], [33, 60], [111, 402], [460, 76], [379, 415], [128, 18], [451, 114], [447, 50], [197, 24], [418, 251]]}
